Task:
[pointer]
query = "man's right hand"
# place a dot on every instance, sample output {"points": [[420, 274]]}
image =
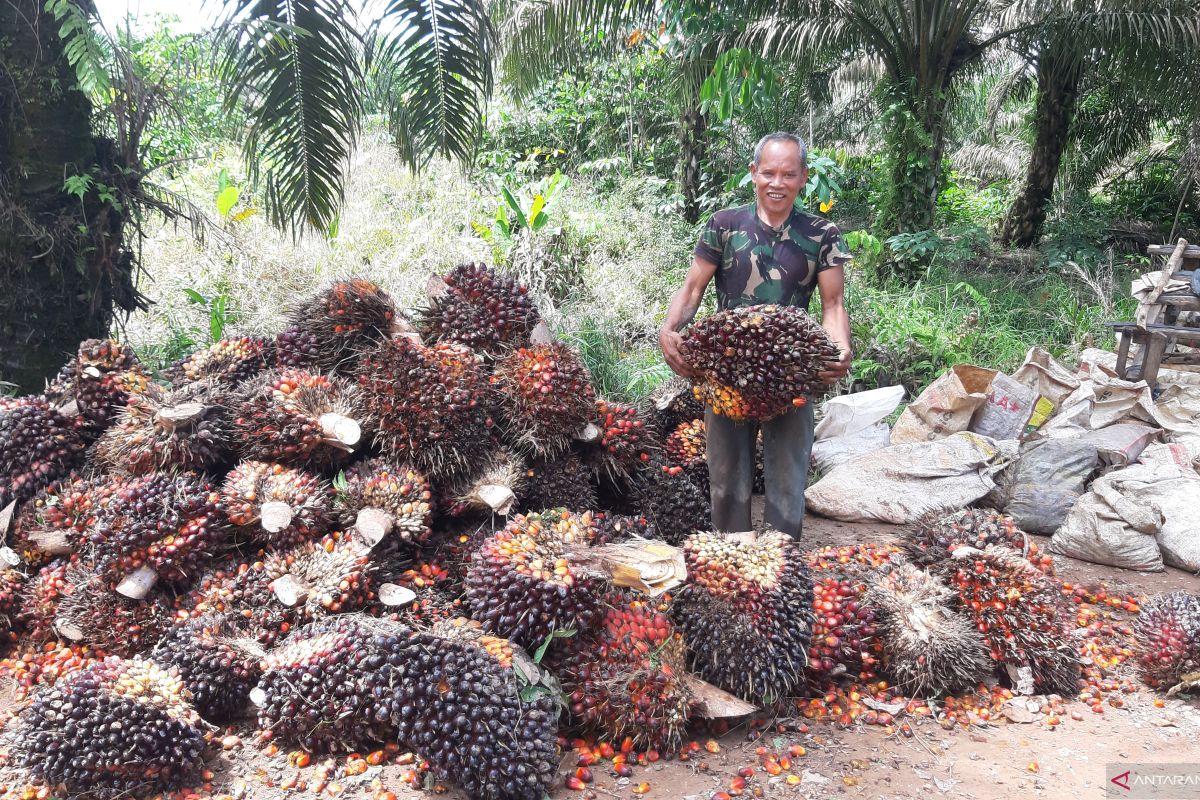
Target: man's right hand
{"points": [[671, 343]]}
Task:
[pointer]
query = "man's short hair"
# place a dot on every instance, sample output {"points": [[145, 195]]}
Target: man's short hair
{"points": [[780, 136]]}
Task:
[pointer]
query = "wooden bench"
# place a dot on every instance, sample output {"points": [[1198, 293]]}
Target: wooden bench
{"points": [[1153, 339]]}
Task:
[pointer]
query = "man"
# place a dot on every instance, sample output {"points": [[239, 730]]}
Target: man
{"points": [[766, 252]]}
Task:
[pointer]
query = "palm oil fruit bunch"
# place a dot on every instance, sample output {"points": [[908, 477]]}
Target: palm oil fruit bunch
{"points": [[277, 506], [457, 702], [40, 597], [608, 528], [756, 362], [1167, 638], [545, 395], [928, 648], [296, 347], [116, 728], [170, 524], [345, 320], [433, 405], [102, 376], [12, 582], [316, 689], [844, 632], [491, 487], [315, 579], [90, 613], [746, 614], [935, 538], [186, 428], [218, 673], [674, 503], [626, 679], [1019, 611], [381, 499], [625, 445], [57, 520], [38, 446], [673, 402], [476, 307], [240, 591], [685, 446], [521, 586], [299, 418], [229, 362], [562, 481]]}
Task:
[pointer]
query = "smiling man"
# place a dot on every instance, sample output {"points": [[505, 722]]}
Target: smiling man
{"points": [[769, 251]]}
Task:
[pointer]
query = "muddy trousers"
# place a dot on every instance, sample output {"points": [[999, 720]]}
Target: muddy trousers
{"points": [[787, 449]]}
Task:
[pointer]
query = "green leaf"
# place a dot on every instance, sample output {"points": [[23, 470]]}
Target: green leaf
{"points": [[227, 199], [512, 203], [536, 218], [196, 297], [216, 318]]}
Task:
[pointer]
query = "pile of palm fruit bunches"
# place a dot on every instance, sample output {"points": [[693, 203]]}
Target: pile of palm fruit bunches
{"points": [[359, 530]]}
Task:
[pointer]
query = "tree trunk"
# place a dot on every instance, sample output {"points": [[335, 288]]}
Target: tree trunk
{"points": [[62, 257], [1058, 91], [692, 127]]}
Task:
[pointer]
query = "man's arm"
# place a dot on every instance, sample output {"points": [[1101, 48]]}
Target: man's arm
{"points": [[684, 306], [832, 285]]}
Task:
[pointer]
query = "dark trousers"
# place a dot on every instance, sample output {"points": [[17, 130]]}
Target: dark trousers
{"points": [[787, 449]]}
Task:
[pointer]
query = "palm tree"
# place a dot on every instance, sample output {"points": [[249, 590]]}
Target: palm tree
{"points": [[1148, 54]]}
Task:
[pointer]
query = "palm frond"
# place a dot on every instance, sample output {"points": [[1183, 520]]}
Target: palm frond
{"points": [[1002, 160], [438, 63], [295, 66]]}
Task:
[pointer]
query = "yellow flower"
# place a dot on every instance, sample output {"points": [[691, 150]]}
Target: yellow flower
{"points": [[826, 206]]}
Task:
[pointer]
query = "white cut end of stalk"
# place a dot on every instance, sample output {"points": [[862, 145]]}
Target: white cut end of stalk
{"points": [[9, 557], [499, 499], [589, 433], [69, 410], [172, 416], [69, 630], [340, 430], [436, 286], [541, 334], [137, 584], [258, 697], [401, 327], [664, 400], [91, 372], [373, 524], [276, 516], [289, 590], [393, 595], [52, 542], [6, 517]]}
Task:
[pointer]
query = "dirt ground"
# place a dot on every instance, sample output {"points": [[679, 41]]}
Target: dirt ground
{"points": [[1000, 759]]}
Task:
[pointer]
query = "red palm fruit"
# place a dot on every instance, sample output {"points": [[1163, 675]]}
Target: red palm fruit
{"points": [[1167, 638], [625, 444], [545, 396], [57, 521], [345, 321], [685, 446], [475, 306], [40, 597]]}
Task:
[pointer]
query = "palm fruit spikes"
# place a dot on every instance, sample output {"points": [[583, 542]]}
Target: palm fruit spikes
{"points": [[89, 612], [746, 614], [520, 584], [345, 320], [458, 702], [491, 488], [935, 538], [159, 429], [674, 504], [316, 689], [475, 306], [380, 499], [545, 395], [277, 506], [158, 526], [627, 678], [113, 729], [433, 405], [843, 634], [299, 418], [1167, 638], [559, 482], [756, 362], [228, 361], [100, 379], [217, 671], [927, 647], [57, 521], [38, 446], [316, 579], [625, 443], [1019, 611]]}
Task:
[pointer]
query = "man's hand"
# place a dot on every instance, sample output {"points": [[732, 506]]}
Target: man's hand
{"points": [[671, 343], [835, 370]]}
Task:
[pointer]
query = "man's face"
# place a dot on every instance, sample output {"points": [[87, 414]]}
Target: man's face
{"points": [[779, 177]]}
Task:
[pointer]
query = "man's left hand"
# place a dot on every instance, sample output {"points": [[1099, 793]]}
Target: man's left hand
{"points": [[835, 370]]}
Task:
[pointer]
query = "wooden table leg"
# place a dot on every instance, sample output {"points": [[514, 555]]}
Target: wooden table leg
{"points": [[1154, 353], [1123, 353]]}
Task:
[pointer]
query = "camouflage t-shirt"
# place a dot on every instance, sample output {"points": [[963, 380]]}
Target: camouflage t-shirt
{"points": [[760, 264]]}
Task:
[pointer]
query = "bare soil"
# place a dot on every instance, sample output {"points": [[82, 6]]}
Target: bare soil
{"points": [[1000, 759]]}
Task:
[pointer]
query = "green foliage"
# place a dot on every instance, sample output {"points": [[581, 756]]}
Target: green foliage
{"points": [[740, 82], [620, 370], [84, 48], [219, 312]]}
